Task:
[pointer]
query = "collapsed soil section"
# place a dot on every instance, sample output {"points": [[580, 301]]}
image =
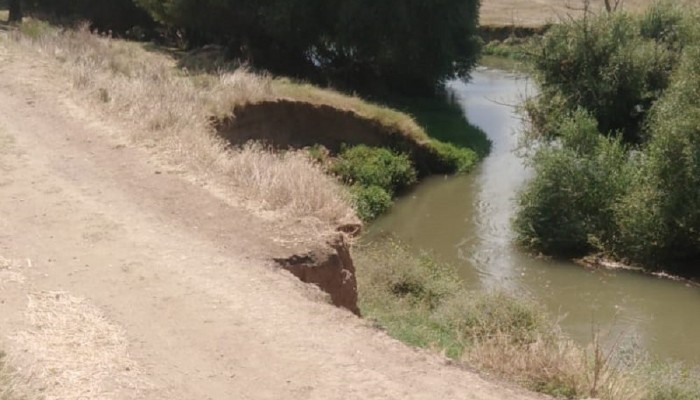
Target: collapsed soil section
{"points": [[329, 267], [284, 124]]}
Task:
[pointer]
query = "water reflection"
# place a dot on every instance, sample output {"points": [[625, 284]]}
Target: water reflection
{"points": [[465, 220]]}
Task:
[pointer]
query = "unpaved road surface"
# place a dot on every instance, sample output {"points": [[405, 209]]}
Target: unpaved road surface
{"points": [[136, 283]]}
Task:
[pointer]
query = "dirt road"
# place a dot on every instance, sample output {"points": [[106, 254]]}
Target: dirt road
{"points": [[129, 281]]}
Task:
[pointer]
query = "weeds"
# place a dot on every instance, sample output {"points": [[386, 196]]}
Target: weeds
{"points": [[170, 111], [423, 303], [11, 387]]}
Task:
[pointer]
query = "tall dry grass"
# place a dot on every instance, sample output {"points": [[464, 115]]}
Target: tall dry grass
{"points": [[10, 386], [423, 303], [169, 110]]}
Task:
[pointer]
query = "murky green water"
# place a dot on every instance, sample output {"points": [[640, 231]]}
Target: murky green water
{"points": [[466, 221]]}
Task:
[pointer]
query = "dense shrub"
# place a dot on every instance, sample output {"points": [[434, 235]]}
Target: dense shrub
{"points": [[375, 166], [118, 16], [605, 65], [409, 45], [376, 174], [567, 209], [660, 219], [456, 159], [638, 202], [370, 201]]}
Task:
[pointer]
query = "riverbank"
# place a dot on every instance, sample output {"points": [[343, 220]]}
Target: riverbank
{"points": [[421, 301], [465, 222], [232, 108], [189, 304]]}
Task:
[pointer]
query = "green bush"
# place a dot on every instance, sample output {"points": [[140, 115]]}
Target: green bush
{"points": [[375, 166], [456, 159], [638, 202], [660, 218], [106, 15], [567, 208], [370, 201], [606, 66], [422, 301]]}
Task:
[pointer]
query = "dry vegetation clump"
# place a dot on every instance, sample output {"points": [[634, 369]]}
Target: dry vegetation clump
{"points": [[170, 111], [73, 352], [540, 12], [11, 386], [423, 303]]}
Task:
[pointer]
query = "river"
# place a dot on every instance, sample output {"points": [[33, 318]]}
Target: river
{"points": [[465, 220]]}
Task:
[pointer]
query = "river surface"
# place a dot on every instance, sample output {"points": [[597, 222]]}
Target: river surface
{"points": [[465, 220]]}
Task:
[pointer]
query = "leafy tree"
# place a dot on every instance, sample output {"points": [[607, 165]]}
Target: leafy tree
{"points": [[639, 202], [409, 45], [605, 65], [660, 218], [117, 16], [15, 7]]}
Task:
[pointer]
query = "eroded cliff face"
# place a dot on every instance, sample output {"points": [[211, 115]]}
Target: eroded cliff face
{"points": [[284, 124], [330, 267]]}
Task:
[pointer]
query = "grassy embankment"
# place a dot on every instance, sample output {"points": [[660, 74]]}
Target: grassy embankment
{"points": [[423, 303], [171, 109]]}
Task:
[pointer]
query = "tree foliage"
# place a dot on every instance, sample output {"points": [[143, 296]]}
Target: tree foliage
{"points": [[637, 198], [106, 15], [410, 45], [614, 66]]}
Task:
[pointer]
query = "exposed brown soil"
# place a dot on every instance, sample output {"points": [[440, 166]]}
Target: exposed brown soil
{"points": [[287, 124], [185, 277]]}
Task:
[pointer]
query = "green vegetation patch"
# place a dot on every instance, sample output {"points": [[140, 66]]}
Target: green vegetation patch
{"points": [[616, 134], [370, 201], [423, 302], [376, 174], [375, 166], [456, 159]]}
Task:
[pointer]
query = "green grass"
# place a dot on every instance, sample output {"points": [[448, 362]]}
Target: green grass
{"points": [[442, 119], [424, 304]]}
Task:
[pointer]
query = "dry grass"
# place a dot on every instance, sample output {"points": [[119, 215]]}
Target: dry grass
{"points": [[555, 365], [71, 351], [170, 111], [539, 12], [12, 386], [388, 117], [423, 303]]}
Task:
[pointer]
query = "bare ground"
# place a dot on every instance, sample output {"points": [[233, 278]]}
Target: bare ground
{"points": [[538, 12], [130, 281]]}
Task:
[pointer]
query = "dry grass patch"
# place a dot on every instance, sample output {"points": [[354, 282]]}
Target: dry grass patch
{"points": [[71, 351], [539, 12], [12, 387], [169, 110], [423, 303]]}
